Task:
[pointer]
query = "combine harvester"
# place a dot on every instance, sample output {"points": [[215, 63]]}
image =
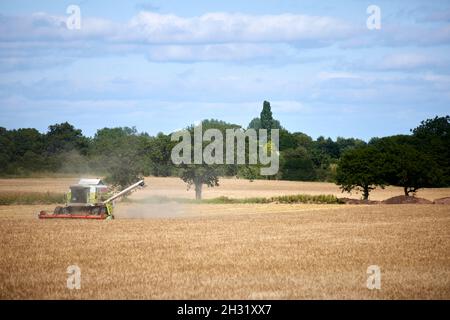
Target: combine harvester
{"points": [[85, 201]]}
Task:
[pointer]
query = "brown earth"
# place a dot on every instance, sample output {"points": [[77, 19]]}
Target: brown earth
{"points": [[358, 201], [445, 200], [406, 200]]}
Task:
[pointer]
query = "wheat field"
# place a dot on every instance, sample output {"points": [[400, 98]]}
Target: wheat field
{"points": [[227, 251], [234, 188]]}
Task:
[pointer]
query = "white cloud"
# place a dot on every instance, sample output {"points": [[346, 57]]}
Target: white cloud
{"points": [[398, 60], [437, 78], [337, 75], [218, 36], [41, 27], [401, 61], [234, 27], [166, 37], [288, 106], [155, 28], [211, 52]]}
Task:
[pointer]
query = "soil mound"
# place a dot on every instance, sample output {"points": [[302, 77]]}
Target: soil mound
{"points": [[357, 201], [442, 201], [406, 200]]}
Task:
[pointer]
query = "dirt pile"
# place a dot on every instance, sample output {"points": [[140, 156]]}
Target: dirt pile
{"points": [[406, 200], [357, 201], [442, 201]]}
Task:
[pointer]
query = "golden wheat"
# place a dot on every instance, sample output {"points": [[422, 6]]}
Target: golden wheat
{"points": [[228, 251]]}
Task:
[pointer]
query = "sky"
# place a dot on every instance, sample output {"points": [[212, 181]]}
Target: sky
{"points": [[162, 65]]}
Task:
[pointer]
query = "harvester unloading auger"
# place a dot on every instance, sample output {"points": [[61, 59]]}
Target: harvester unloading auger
{"points": [[85, 201]]}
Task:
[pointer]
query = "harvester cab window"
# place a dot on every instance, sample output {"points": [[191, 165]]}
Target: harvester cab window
{"points": [[79, 195]]}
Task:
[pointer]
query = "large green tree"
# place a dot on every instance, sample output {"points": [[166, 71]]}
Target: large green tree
{"points": [[26, 151], [405, 165], [159, 155], [198, 175], [64, 137], [360, 169], [266, 116], [413, 169], [433, 139], [265, 120], [120, 153]]}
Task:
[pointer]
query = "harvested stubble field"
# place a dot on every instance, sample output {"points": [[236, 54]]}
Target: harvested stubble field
{"points": [[240, 251]]}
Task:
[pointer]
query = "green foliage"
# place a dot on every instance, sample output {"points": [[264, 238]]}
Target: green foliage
{"points": [[303, 140], [255, 124], [120, 152], [22, 151], [266, 116], [288, 140], [198, 175], [64, 137], [414, 161], [413, 170], [343, 144], [403, 165], [433, 139], [158, 155], [305, 198], [266, 120], [438, 127], [121, 175], [296, 164], [360, 169]]}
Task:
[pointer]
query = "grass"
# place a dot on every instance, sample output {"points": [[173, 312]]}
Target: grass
{"points": [[305, 198], [16, 197]]}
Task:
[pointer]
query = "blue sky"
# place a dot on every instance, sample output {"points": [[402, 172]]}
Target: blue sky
{"points": [[161, 65]]}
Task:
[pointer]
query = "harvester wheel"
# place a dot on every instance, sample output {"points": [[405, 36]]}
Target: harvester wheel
{"points": [[95, 211], [58, 210]]}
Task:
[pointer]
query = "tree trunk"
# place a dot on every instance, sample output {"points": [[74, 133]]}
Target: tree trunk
{"points": [[406, 191], [409, 190], [366, 193], [198, 190]]}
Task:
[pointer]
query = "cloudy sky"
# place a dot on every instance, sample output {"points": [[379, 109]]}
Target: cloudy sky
{"points": [[161, 65]]}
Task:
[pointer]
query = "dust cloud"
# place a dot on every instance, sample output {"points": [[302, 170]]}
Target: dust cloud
{"points": [[143, 210]]}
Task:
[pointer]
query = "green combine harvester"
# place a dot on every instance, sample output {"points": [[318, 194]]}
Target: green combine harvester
{"points": [[89, 199]]}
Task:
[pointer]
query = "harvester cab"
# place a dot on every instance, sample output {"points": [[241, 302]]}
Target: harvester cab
{"points": [[89, 199], [87, 191]]}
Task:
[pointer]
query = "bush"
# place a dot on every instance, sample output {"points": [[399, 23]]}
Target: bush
{"points": [[305, 198]]}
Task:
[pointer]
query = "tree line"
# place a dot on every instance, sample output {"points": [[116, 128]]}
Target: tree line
{"points": [[414, 161], [123, 154]]}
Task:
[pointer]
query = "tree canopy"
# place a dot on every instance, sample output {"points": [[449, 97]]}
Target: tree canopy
{"points": [[360, 169]]}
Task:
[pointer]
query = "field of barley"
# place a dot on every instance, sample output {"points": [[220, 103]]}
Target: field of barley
{"points": [[175, 250]]}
